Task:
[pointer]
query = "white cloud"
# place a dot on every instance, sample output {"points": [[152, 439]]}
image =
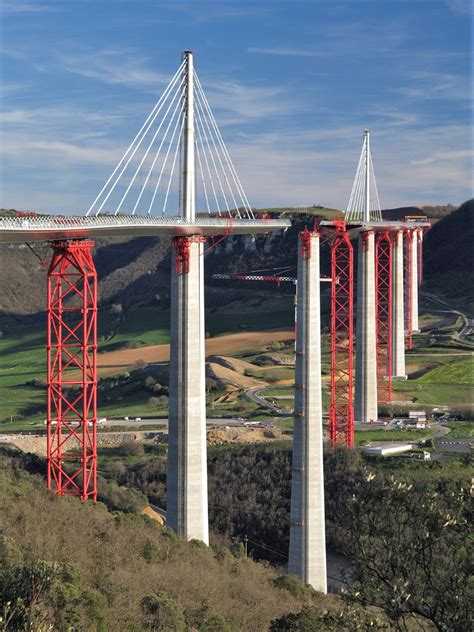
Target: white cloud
{"points": [[461, 7], [286, 52], [114, 67], [436, 86], [9, 6], [241, 103]]}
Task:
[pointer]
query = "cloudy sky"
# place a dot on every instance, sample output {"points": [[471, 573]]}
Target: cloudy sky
{"points": [[292, 84]]}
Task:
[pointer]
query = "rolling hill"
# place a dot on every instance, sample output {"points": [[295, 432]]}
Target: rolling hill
{"points": [[137, 270]]}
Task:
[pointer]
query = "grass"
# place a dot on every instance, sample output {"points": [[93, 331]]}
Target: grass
{"points": [[108, 454], [272, 373], [459, 373], [23, 358], [362, 437], [433, 394], [461, 429]]}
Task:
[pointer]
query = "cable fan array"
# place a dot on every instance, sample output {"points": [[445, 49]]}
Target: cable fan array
{"points": [[358, 201], [147, 178]]}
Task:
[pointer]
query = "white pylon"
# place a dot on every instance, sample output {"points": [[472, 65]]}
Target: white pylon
{"points": [[187, 180], [364, 204]]}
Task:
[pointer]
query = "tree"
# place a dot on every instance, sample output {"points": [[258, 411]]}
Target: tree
{"points": [[44, 595], [343, 619], [162, 613], [409, 543], [116, 309]]}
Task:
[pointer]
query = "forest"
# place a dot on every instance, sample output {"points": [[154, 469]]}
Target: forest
{"points": [[402, 526]]}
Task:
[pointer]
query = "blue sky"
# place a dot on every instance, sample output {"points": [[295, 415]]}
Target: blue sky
{"points": [[292, 85]]}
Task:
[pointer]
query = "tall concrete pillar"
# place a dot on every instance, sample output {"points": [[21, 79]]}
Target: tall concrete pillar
{"points": [[398, 322], [365, 398], [307, 558], [186, 506], [414, 282]]}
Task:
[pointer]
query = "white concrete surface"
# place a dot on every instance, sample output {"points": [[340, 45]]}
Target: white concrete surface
{"points": [[307, 556], [365, 399], [398, 322], [187, 505]]}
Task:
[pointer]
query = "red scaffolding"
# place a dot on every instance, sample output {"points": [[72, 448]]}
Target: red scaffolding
{"points": [[407, 287], [72, 377], [383, 311], [341, 410]]}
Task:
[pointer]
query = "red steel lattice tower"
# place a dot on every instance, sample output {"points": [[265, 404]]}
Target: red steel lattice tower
{"points": [[407, 287], [341, 410], [383, 311], [72, 375]]}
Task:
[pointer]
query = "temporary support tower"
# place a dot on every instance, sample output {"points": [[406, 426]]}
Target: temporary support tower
{"points": [[307, 556], [407, 286], [71, 366], [341, 410], [383, 310]]}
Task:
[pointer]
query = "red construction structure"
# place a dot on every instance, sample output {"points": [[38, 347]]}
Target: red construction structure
{"points": [[341, 409], [72, 370], [383, 314], [407, 287]]}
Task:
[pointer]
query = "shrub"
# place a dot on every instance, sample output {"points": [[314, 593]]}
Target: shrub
{"points": [[163, 613], [131, 448]]}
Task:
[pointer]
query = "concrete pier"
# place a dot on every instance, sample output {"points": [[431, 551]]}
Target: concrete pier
{"points": [[365, 399], [307, 557], [398, 322], [414, 283], [187, 506]]}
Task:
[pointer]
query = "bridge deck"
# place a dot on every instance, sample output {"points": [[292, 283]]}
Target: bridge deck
{"points": [[21, 229]]}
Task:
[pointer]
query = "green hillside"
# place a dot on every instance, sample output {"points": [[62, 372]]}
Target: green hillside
{"points": [[95, 570], [448, 254]]}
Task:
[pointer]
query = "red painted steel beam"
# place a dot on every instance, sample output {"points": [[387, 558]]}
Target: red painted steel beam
{"points": [[72, 370], [383, 312], [341, 410]]}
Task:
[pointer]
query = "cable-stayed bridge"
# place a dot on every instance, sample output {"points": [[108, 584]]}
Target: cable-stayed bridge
{"points": [[177, 179]]}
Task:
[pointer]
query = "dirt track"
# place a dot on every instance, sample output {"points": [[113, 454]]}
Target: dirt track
{"points": [[117, 361]]}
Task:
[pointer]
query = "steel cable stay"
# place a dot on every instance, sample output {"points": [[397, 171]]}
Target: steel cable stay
{"points": [[156, 155], [232, 169], [136, 142], [236, 206], [201, 109], [165, 160], [211, 153], [143, 182], [364, 203], [201, 142], [145, 155], [201, 171], [172, 166]]}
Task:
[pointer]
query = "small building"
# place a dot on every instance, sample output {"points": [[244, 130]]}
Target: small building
{"points": [[387, 449], [418, 415]]}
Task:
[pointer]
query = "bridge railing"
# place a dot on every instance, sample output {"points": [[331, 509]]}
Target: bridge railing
{"points": [[107, 221]]}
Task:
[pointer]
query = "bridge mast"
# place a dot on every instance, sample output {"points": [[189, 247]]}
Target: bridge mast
{"points": [[187, 180], [187, 505]]}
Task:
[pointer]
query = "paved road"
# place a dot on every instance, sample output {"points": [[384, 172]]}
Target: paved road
{"points": [[254, 395], [467, 328], [131, 423], [453, 445]]}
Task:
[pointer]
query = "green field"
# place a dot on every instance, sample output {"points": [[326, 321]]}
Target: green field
{"points": [[362, 437], [448, 380], [461, 429]]}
